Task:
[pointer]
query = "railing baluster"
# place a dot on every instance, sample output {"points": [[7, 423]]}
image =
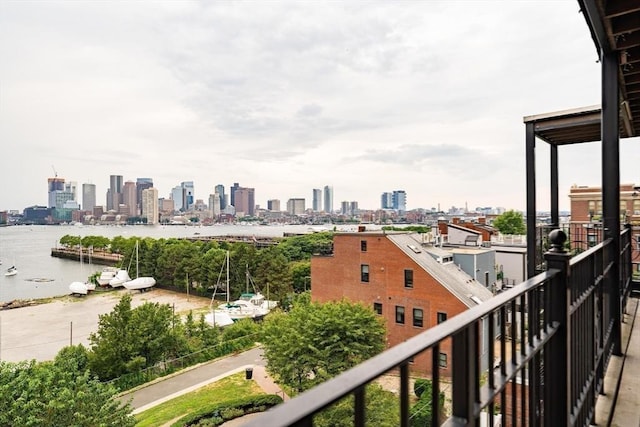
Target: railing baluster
{"points": [[359, 407], [404, 394], [435, 385]]}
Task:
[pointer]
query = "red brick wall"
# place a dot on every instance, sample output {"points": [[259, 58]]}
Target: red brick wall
{"points": [[338, 276]]}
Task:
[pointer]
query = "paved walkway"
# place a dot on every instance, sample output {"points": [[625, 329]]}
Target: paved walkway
{"points": [[191, 379]]}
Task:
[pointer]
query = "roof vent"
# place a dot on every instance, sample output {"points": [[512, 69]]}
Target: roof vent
{"points": [[476, 299], [414, 249]]}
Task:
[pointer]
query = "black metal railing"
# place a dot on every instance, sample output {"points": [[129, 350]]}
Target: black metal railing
{"points": [[547, 343]]}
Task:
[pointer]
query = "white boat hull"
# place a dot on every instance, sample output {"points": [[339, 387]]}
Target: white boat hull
{"points": [[140, 283], [119, 279], [78, 288], [218, 318], [106, 276]]}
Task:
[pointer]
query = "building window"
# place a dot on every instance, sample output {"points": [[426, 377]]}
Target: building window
{"points": [[363, 245], [364, 272], [636, 207], [377, 307], [442, 317], [443, 360], [418, 315], [399, 314], [408, 278]]}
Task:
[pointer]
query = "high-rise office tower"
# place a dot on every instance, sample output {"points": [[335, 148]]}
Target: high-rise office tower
{"points": [[232, 191], [72, 187], [214, 205], [244, 200], [317, 200], [221, 195], [114, 198], [178, 195], [344, 208], [141, 184], [189, 194], [150, 208], [328, 199], [130, 198], [386, 200], [55, 185], [273, 205], [88, 197], [399, 200], [295, 206]]}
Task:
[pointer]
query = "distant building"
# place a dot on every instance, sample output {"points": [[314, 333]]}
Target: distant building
{"points": [[244, 201], [220, 192], [214, 204], [179, 197], [386, 201], [141, 185], [88, 197], [232, 192], [130, 199], [273, 205], [189, 195], [296, 206], [150, 208], [328, 199], [114, 194], [317, 200], [55, 185], [399, 198]]}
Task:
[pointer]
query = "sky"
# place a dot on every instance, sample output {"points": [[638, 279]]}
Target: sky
{"points": [[287, 96]]}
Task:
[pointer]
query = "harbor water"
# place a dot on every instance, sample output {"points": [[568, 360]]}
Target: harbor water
{"points": [[41, 276]]}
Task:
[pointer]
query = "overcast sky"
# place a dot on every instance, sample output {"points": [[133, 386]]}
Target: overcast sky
{"points": [[423, 96]]}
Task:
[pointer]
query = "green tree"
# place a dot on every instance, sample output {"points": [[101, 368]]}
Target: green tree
{"points": [[58, 393], [510, 222], [420, 412], [314, 342], [383, 410]]}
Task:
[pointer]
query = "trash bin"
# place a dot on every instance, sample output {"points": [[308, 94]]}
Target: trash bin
{"points": [[248, 373]]}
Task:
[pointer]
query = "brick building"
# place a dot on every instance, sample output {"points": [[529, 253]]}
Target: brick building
{"points": [[585, 228], [393, 273]]}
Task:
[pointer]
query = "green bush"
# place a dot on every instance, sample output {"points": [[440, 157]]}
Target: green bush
{"points": [[218, 413]]}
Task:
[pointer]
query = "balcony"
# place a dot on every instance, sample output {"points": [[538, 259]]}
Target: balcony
{"points": [[555, 352], [562, 347]]}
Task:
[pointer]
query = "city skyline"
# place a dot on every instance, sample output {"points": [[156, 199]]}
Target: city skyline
{"points": [[288, 96]]}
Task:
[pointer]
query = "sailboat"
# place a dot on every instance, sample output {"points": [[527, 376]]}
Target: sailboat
{"points": [[11, 271], [81, 288], [232, 311], [140, 283]]}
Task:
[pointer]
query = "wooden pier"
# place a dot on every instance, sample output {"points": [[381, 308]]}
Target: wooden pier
{"points": [[97, 257]]}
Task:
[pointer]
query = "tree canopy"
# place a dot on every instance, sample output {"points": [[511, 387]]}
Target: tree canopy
{"points": [[510, 222], [314, 342], [58, 393]]}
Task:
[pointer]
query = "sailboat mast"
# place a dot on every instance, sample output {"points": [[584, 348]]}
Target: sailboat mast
{"points": [[228, 277]]}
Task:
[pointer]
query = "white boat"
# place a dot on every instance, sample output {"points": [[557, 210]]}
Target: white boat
{"points": [[247, 307], [11, 271], [139, 283], [106, 275], [119, 279], [81, 288]]}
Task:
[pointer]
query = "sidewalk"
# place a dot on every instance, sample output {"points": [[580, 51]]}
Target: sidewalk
{"points": [[188, 380]]}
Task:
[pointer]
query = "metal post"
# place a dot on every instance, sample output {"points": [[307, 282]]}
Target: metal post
{"points": [[531, 199], [611, 186], [557, 356], [555, 212], [463, 375]]}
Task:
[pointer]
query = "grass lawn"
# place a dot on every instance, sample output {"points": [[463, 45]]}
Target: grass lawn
{"points": [[231, 387]]}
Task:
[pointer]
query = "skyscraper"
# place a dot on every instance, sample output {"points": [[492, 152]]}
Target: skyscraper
{"points": [[328, 199], [141, 184], [317, 200], [399, 200], [88, 197], [129, 198], [221, 195], [55, 185], [179, 198], [189, 194], [232, 192], [273, 205], [150, 205], [114, 195], [386, 201], [214, 204], [295, 206], [244, 199]]}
